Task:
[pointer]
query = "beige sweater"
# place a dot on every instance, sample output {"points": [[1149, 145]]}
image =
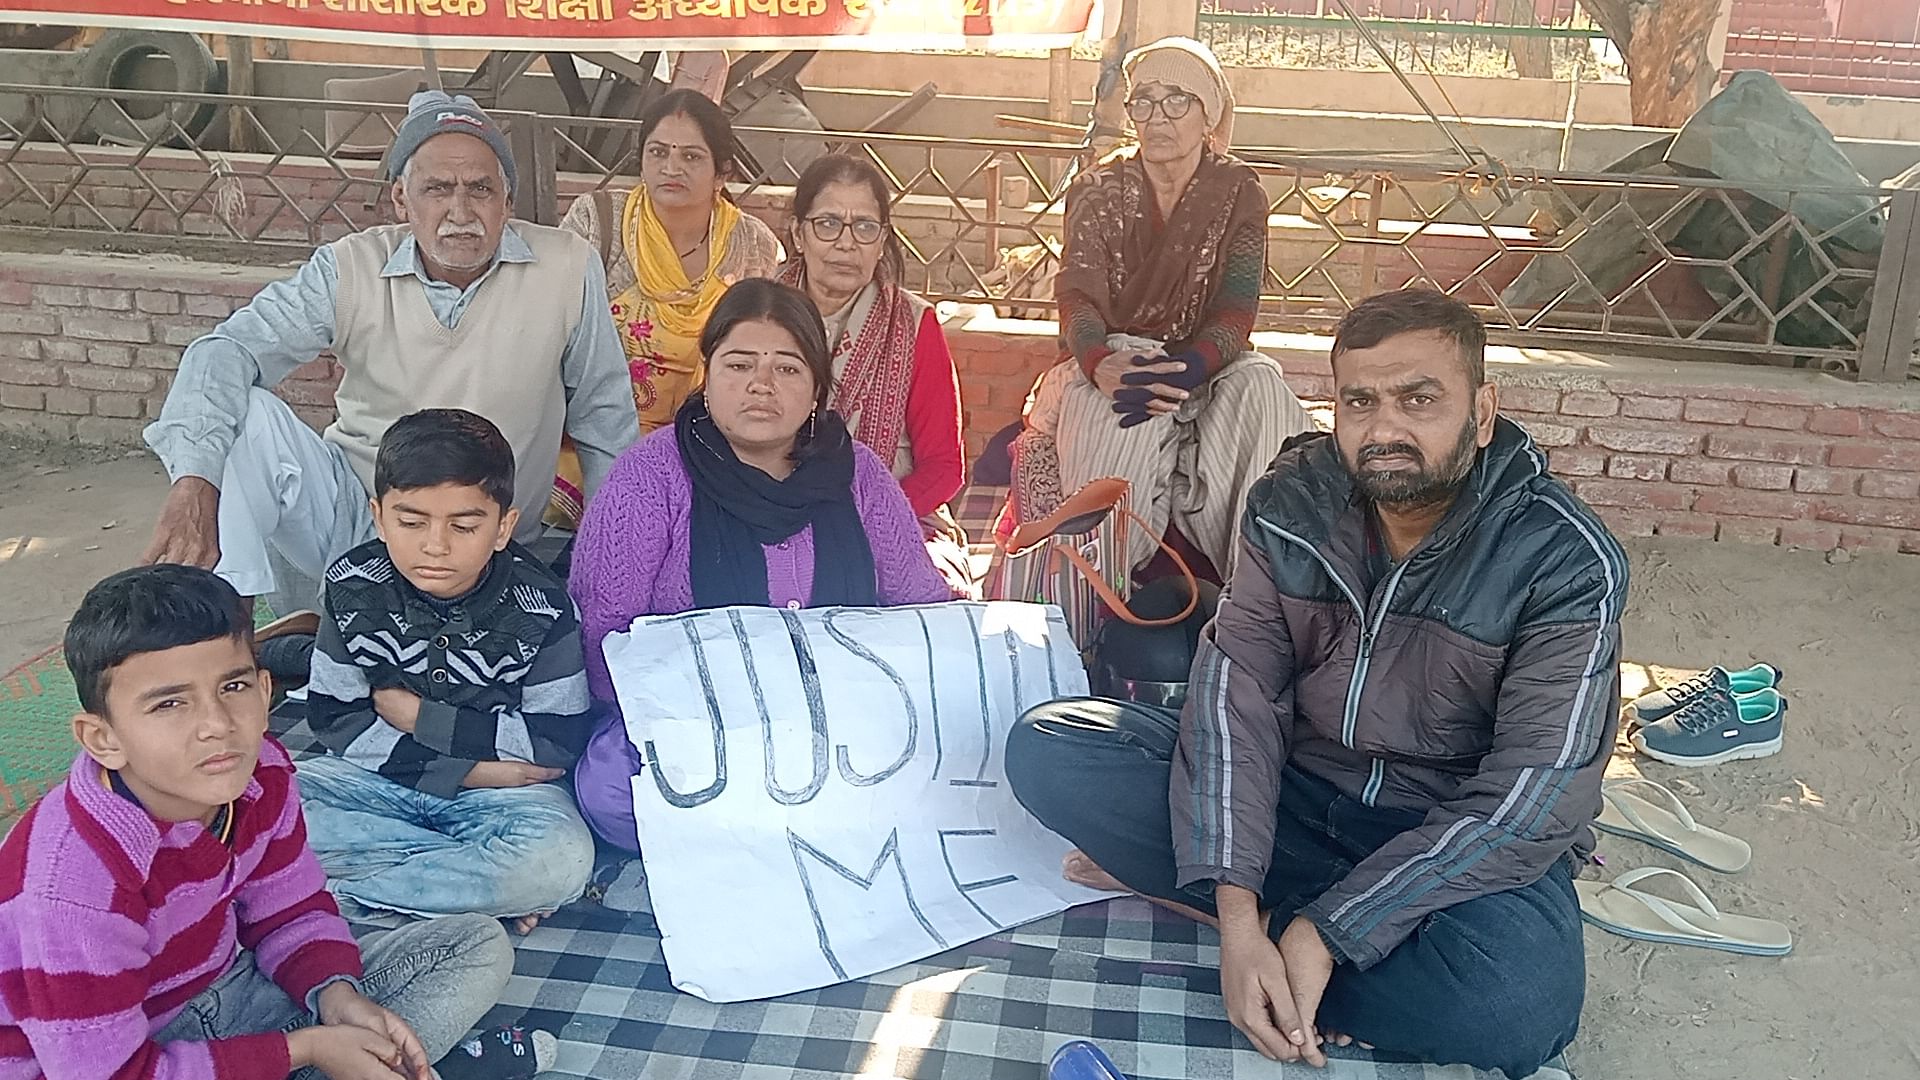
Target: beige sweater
{"points": [[503, 361]]}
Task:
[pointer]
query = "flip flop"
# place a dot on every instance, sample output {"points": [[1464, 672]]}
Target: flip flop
{"points": [[1618, 908], [1665, 823]]}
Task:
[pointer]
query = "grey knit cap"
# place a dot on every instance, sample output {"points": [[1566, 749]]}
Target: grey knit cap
{"points": [[435, 112]]}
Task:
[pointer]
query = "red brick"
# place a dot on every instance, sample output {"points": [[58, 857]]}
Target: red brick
{"points": [[1837, 422], [22, 397], [60, 295], [1699, 471], [1727, 502], [1711, 411], [1629, 522], [24, 374], [1631, 495], [1865, 456], [1869, 540], [67, 352], [92, 378], [1552, 435], [1878, 485], [1749, 532], [119, 356], [1763, 477], [1778, 417], [1652, 408], [1807, 534], [40, 425], [1644, 440], [1588, 403], [1540, 399], [157, 303], [1576, 461], [69, 402], [1910, 545], [1637, 467], [158, 357], [1693, 526], [16, 293], [28, 322], [18, 347], [1815, 481], [107, 328], [182, 335], [314, 371], [1898, 425], [1767, 448], [127, 406], [109, 299], [107, 431], [1883, 513]]}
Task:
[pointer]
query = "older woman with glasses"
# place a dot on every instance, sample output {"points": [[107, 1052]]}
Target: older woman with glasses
{"points": [[892, 374], [1164, 256]]}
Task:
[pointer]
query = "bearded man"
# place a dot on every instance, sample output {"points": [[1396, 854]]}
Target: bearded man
{"points": [[1382, 781]]}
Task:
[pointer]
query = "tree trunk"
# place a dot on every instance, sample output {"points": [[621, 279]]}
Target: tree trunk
{"points": [[1532, 56], [1665, 46]]}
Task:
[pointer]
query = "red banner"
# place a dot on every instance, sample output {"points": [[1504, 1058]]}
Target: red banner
{"points": [[596, 24]]}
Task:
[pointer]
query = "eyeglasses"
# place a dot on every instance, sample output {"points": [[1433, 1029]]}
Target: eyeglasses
{"points": [[828, 227], [1173, 106]]}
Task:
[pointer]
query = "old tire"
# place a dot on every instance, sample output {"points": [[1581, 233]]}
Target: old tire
{"points": [[109, 64]]}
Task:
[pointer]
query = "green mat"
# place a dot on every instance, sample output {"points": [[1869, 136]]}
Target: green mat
{"points": [[37, 703]]}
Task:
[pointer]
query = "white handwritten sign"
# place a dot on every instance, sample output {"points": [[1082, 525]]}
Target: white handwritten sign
{"points": [[824, 794]]}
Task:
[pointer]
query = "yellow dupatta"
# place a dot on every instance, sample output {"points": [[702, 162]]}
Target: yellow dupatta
{"points": [[661, 314]]}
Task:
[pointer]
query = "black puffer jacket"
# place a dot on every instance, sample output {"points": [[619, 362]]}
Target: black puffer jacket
{"points": [[1477, 681]]}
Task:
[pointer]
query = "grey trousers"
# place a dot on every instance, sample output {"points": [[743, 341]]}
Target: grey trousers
{"points": [[440, 976]]}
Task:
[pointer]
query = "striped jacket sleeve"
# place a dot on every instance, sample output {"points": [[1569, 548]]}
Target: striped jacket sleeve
{"points": [[551, 725], [340, 712], [1534, 790], [79, 1000], [1234, 735]]}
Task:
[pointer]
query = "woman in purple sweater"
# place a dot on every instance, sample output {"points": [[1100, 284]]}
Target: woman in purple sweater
{"points": [[755, 495]]}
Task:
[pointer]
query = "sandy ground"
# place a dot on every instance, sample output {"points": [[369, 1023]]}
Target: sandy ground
{"points": [[1834, 819]]}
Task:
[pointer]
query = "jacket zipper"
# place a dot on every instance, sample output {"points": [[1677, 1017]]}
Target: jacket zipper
{"points": [[1368, 631]]}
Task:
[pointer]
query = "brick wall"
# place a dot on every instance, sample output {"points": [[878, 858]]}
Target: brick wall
{"points": [[89, 344]]}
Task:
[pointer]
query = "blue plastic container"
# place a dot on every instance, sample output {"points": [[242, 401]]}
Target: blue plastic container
{"points": [[1081, 1060]]}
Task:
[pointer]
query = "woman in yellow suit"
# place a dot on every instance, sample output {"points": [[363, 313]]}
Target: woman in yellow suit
{"points": [[671, 246]]}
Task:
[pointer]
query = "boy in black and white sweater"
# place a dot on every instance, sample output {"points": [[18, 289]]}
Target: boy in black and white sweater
{"points": [[448, 683]]}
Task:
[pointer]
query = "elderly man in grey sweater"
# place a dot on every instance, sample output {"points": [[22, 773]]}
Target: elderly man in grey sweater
{"points": [[457, 308]]}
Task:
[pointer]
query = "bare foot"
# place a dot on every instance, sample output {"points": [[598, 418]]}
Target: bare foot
{"points": [[526, 924], [1080, 870]]}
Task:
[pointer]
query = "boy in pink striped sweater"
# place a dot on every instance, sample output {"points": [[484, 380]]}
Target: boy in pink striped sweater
{"points": [[161, 915]]}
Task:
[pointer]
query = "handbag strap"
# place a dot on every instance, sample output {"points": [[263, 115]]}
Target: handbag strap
{"points": [[1113, 600]]}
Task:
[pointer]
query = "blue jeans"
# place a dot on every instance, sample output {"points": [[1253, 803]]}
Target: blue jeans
{"points": [[491, 851], [1496, 982]]}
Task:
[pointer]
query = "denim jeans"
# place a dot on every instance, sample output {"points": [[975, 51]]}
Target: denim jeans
{"points": [[492, 851], [440, 976], [1496, 982]]}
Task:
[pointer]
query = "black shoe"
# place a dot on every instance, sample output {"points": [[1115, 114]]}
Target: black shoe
{"points": [[502, 1053], [288, 658]]}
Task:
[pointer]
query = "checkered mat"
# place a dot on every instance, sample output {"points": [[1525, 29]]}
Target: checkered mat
{"points": [[37, 703], [1142, 983]]}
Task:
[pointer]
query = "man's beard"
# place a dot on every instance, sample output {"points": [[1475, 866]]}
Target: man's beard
{"points": [[1424, 485]]}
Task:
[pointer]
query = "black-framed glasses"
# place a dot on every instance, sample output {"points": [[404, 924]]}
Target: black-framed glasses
{"points": [[828, 227], [1173, 106]]}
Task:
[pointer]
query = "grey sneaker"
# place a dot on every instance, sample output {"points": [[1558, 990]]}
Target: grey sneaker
{"points": [[1717, 726], [1664, 702]]}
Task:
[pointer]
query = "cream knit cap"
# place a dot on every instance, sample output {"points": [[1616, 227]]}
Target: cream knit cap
{"points": [[1191, 66]]}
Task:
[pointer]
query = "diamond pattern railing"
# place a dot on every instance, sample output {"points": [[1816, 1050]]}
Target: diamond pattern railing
{"points": [[1675, 265]]}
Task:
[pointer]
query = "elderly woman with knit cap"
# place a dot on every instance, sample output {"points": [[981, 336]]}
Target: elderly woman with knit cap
{"points": [[1165, 252]]}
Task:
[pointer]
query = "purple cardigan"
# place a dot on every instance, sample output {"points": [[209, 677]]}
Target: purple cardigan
{"points": [[632, 559]]}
